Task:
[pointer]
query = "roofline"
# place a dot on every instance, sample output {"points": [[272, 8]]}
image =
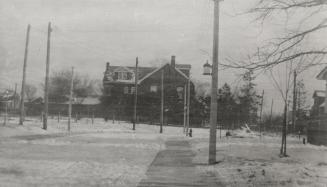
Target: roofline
{"points": [[321, 74], [156, 70], [179, 71], [126, 68], [151, 73], [183, 68], [115, 82]]}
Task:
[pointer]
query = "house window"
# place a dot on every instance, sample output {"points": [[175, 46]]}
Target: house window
{"points": [[109, 90], [180, 92], [132, 89], [123, 75], [153, 88], [126, 90]]}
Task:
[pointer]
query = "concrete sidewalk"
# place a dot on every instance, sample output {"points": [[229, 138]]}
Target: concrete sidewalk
{"points": [[174, 167]]}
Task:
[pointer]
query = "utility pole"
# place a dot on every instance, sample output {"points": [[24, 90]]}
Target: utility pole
{"points": [[162, 100], [188, 105], [283, 147], [260, 121], [135, 94], [185, 108], [70, 99], [271, 110], [46, 90], [294, 101], [15, 93], [214, 86], [6, 114], [21, 107]]}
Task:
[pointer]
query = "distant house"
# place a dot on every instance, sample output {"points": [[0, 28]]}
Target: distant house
{"points": [[323, 76], [119, 88], [317, 128], [9, 99], [81, 105], [318, 107]]}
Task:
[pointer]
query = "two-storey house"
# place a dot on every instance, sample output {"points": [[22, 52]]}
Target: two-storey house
{"points": [[119, 89]]}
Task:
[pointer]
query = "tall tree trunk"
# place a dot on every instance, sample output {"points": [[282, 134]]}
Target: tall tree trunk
{"points": [[283, 147]]}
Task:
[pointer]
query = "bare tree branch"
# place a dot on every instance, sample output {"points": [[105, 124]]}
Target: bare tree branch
{"points": [[291, 46]]}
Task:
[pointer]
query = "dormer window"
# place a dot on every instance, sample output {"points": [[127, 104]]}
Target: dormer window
{"points": [[123, 75]]}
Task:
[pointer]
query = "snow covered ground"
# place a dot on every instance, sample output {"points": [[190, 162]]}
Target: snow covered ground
{"points": [[248, 160], [99, 154], [112, 154]]}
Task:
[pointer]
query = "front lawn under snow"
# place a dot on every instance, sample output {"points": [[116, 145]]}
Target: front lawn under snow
{"points": [[99, 154], [112, 154], [245, 159]]}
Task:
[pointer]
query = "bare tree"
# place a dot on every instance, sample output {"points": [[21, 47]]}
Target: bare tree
{"points": [[60, 85], [30, 91], [284, 85], [293, 43]]}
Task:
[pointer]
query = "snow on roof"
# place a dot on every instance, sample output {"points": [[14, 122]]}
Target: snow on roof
{"points": [[91, 101], [319, 93], [183, 66], [322, 75], [85, 101], [322, 104]]}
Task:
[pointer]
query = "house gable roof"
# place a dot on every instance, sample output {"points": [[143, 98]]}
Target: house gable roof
{"points": [[123, 69], [158, 69], [143, 72], [151, 73], [322, 75], [183, 66]]}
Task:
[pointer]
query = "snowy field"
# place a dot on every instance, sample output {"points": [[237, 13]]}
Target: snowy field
{"points": [[99, 154], [248, 160], [112, 154]]}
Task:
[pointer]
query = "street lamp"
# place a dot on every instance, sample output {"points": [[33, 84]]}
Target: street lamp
{"points": [[207, 68], [214, 86]]}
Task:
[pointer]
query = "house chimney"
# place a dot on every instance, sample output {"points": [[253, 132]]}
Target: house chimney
{"points": [[108, 65], [172, 63]]}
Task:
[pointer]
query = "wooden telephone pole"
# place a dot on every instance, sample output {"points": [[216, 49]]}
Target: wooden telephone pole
{"points": [[294, 102], [70, 99], [214, 86], [271, 110], [21, 116], [15, 93], [185, 108], [135, 94], [46, 89], [188, 106], [260, 119], [162, 100]]}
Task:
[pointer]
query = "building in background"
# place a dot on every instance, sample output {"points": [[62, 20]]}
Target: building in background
{"points": [[317, 128], [9, 100], [318, 107], [119, 89], [323, 76]]}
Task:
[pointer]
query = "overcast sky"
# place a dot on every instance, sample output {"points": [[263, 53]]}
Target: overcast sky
{"points": [[88, 33]]}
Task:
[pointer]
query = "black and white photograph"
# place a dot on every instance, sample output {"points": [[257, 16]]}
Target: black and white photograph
{"points": [[163, 93]]}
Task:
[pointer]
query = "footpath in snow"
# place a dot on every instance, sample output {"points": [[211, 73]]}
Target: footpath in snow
{"points": [[112, 154]]}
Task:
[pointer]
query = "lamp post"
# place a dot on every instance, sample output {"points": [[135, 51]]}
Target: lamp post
{"points": [[213, 71]]}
